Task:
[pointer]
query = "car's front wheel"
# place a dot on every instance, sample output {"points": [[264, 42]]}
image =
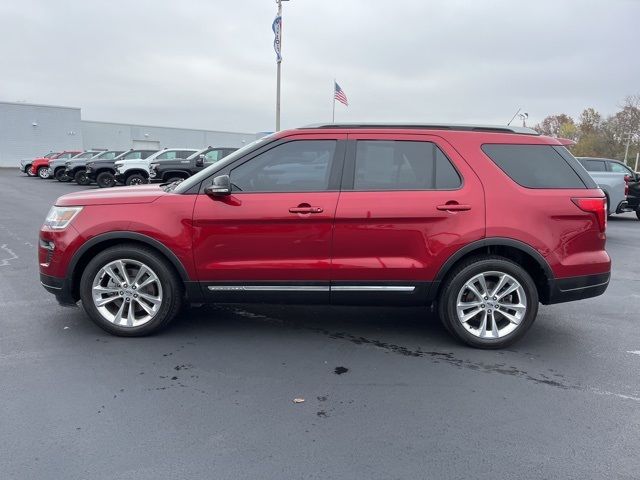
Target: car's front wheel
{"points": [[135, 179], [488, 302], [130, 290], [43, 172], [27, 170], [106, 180], [61, 175], [81, 178]]}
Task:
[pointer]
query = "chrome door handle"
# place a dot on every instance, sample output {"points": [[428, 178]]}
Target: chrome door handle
{"points": [[454, 207], [306, 210]]}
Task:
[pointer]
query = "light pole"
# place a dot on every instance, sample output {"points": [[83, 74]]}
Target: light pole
{"points": [[277, 46]]}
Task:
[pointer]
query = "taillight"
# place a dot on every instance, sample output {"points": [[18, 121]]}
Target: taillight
{"points": [[597, 206]]}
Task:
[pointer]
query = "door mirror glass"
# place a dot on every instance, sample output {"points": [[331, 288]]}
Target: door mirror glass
{"points": [[221, 186]]}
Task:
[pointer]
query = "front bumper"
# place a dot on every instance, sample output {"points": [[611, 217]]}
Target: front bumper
{"points": [[120, 178], [60, 287], [577, 288]]}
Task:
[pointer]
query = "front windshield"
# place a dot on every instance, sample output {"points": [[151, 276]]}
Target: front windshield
{"points": [[202, 174]]}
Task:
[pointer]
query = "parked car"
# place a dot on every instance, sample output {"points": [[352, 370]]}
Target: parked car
{"points": [[75, 167], [41, 166], [616, 180], [25, 164], [484, 222], [57, 166], [103, 171], [178, 169], [136, 172]]}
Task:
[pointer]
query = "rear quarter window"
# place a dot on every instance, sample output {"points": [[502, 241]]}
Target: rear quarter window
{"points": [[535, 166]]}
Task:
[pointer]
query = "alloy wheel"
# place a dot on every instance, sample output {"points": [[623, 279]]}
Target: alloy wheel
{"points": [[127, 293], [491, 305]]}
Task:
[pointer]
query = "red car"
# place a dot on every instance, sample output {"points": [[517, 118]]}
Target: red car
{"points": [[484, 222], [40, 166]]}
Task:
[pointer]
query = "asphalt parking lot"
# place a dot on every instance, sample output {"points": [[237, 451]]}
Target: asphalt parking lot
{"points": [[388, 394]]}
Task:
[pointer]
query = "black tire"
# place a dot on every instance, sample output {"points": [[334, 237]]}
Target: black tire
{"points": [[172, 289], [27, 170], [106, 180], [638, 213], [61, 176], [464, 272], [81, 178], [173, 179], [43, 172], [135, 179]]}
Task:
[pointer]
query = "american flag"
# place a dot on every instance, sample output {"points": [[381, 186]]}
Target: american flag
{"points": [[339, 95]]}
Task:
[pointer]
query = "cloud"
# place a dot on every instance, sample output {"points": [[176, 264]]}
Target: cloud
{"points": [[210, 64]]}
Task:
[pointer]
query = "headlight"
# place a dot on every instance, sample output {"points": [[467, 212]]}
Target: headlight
{"points": [[66, 164], [59, 218]]}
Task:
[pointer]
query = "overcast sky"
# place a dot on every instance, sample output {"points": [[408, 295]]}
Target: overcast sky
{"points": [[210, 63]]}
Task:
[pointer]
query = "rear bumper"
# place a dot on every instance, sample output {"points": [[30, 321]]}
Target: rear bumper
{"points": [[60, 287], [577, 288]]}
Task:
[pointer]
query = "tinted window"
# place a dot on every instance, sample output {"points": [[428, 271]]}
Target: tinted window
{"points": [[133, 156], [619, 168], [213, 156], [184, 153], [594, 165], [299, 166], [534, 166], [402, 165], [170, 155]]}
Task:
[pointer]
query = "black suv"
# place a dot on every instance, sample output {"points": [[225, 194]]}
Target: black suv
{"points": [[168, 171], [103, 171]]}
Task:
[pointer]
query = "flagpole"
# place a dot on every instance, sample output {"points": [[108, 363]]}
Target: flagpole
{"points": [[279, 62], [333, 115]]}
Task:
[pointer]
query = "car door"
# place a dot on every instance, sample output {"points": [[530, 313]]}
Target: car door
{"points": [[408, 202], [272, 236]]}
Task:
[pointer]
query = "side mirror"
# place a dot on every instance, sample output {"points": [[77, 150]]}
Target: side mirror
{"points": [[200, 160], [220, 187]]}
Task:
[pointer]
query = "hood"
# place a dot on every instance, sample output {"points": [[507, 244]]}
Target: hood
{"points": [[112, 196]]}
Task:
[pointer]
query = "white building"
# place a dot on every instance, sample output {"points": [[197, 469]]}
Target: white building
{"points": [[28, 130]]}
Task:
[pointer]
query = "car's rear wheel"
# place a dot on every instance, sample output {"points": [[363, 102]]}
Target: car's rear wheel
{"points": [[638, 213], [488, 302], [106, 180], [129, 290], [43, 172], [135, 179], [61, 176], [81, 178]]}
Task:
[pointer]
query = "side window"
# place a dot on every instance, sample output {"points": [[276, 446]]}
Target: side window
{"points": [[403, 165], [534, 166], [297, 166], [213, 156], [132, 156], [618, 168], [184, 154], [170, 155], [595, 165]]}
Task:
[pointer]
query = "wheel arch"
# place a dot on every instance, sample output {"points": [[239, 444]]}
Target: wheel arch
{"points": [[101, 242], [135, 171], [519, 252], [175, 173]]}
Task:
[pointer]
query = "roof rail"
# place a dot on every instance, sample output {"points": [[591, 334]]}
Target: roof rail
{"points": [[428, 126]]}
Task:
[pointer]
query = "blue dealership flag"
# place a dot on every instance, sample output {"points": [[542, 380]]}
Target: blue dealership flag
{"points": [[277, 30]]}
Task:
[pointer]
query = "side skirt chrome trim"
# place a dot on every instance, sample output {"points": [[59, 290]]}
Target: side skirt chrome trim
{"points": [[372, 288], [268, 288], [311, 288]]}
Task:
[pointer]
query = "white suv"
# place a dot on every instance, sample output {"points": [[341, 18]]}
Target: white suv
{"points": [[136, 172]]}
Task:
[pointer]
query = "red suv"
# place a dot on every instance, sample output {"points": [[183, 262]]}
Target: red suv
{"points": [[484, 222], [40, 166]]}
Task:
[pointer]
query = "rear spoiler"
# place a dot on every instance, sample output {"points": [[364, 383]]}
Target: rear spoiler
{"points": [[567, 142]]}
